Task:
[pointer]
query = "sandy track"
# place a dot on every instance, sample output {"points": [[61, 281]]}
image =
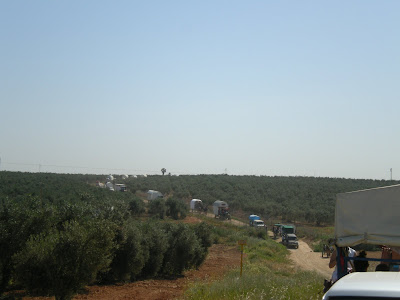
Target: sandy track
{"points": [[308, 260], [303, 257]]}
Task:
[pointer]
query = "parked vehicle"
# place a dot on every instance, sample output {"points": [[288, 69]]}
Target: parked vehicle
{"points": [[366, 285], [110, 186], [221, 210], [289, 237], [259, 224], [255, 221], [290, 240], [151, 195], [198, 205], [366, 217], [252, 218], [286, 229], [120, 187]]}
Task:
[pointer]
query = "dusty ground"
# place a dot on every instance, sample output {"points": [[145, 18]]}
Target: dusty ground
{"points": [[232, 221], [306, 259]]}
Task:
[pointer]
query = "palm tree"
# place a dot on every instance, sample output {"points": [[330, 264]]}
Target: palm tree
{"points": [[163, 170]]}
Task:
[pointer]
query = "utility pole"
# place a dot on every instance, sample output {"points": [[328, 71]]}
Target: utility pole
{"points": [[391, 173]]}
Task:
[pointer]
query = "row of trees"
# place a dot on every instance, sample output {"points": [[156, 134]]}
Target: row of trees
{"points": [[55, 243], [309, 199]]}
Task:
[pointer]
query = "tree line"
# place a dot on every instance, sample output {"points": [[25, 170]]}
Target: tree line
{"points": [[306, 199]]}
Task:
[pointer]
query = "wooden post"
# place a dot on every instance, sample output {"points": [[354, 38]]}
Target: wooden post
{"points": [[241, 243]]}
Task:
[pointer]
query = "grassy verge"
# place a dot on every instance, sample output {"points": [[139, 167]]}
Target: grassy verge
{"points": [[267, 273]]}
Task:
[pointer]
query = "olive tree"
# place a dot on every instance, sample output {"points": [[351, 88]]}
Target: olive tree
{"points": [[183, 247], [130, 256], [176, 209], [60, 263]]}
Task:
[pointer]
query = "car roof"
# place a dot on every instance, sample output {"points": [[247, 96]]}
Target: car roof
{"points": [[371, 284]]}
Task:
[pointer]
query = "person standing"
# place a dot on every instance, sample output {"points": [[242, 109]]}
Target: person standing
{"points": [[350, 252]]}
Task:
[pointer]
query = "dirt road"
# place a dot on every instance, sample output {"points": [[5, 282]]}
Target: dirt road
{"points": [[303, 257], [232, 221], [306, 259]]}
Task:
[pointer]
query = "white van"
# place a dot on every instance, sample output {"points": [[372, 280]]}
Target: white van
{"points": [[366, 285]]}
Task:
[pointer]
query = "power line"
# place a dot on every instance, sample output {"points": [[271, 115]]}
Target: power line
{"points": [[107, 170]]}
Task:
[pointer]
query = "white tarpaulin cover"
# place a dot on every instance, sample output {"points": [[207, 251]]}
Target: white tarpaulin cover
{"points": [[193, 203], [368, 217]]}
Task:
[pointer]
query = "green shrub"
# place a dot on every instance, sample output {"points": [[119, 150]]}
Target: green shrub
{"points": [[136, 206], [183, 251], [60, 263], [176, 209], [155, 241], [203, 233], [158, 208], [19, 220], [130, 256]]}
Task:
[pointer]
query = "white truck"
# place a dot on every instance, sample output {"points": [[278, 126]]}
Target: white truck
{"points": [[367, 217], [120, 187], [221, 210], [196, 205]]}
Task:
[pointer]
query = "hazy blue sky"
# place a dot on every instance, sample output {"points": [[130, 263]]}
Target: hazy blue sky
{"points": [[254, 87]]}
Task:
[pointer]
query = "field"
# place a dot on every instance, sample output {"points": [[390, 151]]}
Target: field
{"points": [[63, 236]]}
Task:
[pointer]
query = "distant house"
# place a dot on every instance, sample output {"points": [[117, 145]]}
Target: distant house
{"points": [[151, 195]]}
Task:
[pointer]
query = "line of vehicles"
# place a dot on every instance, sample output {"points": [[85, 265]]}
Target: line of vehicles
{"points": [[220, 208], [288, 234], [221, 211], [356, 222]]}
